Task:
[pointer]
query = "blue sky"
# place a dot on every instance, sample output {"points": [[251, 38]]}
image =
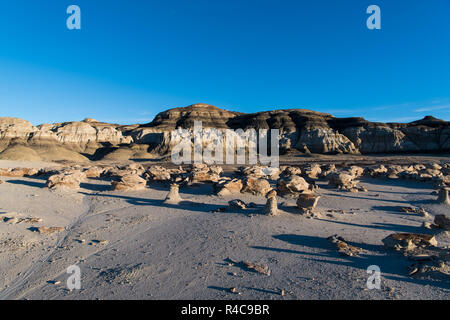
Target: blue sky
{"points": [[135, 58]]}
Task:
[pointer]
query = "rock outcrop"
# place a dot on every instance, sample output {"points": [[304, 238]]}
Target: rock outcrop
{"points": [[303, 130]]}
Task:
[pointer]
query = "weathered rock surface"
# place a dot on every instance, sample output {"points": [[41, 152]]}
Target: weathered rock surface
{"points": [[68, 180], [129, 182], [292, 186], [408, 241], [256, 186], [299, 129]]}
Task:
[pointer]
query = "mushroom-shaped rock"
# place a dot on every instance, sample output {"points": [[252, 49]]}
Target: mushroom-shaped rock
{"points": [[306, 202], [173, 197], [271, 207], [442, 221], [443, 196]]}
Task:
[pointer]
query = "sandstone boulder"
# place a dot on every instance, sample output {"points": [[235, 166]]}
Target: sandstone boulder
{"points": [[291, 186], [68, 180], [227, 188], [409, 241], [129, 182], [442, 221], [256, 186], [306, 202]]}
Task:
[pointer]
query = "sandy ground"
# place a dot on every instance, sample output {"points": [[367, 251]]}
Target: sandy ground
{"points": [[160, 251]]}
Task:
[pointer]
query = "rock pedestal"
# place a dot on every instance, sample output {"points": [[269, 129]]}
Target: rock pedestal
{"points": [[173, 197], [443, 196]]}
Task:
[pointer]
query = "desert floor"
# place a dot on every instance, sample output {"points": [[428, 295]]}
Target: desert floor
{"points": [[159, 251]]}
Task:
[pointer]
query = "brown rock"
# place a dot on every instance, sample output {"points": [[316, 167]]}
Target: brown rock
{"points": [[443, 196], [256, 186], [292, 186], [229, 187], [442, 221], [68, 180], [408, 241], [129, 182], [173, 197], [307, 201]]}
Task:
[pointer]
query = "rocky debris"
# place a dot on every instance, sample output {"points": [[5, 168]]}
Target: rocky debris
{"points": [[102, 242], [46, 230], [290, 171], [158, 173], [307, 202], [13, 218], [225, 187], [443, 196], [292, 186], [249, 266], [442, 222], [376, 171], [67, 180], [18, 172], [173, 197], [312, 171], [355, 171], [343, 180], [408, 241], [271, 207], [237, 204], [93, 172], [129, 182], [259, 172], [343, 247], [420, 211], [436, 269], [328, 169], [256, 186], [203, 173]]}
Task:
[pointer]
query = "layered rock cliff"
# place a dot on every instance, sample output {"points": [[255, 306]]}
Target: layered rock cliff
{"points": [[304, 130]]}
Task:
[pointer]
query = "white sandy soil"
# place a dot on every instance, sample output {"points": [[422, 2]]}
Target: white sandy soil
{"points": [[161, 251]]}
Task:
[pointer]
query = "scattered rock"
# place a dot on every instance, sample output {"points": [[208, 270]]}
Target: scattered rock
{"points": [[408, 241], [46, 230], [173, 197], [129, 182], [229, 187], [443, 196], [343, 247], [69, 180], [442, 222], [306, 202], [256, 186], [292, 186], [237, 204], [271, 207]]}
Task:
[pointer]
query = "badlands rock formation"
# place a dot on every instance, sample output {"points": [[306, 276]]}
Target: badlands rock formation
{"points": [[303, 130]]}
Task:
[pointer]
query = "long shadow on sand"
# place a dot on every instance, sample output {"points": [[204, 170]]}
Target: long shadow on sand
{"points": [[384, 226], [184, 205], [28, 183], [393, 266]]}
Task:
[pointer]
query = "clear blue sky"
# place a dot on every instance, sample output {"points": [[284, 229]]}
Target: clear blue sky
{"points": [[135, 58]]}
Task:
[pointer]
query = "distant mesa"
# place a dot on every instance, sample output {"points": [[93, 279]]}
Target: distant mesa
{"points": [[300, 130]]}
